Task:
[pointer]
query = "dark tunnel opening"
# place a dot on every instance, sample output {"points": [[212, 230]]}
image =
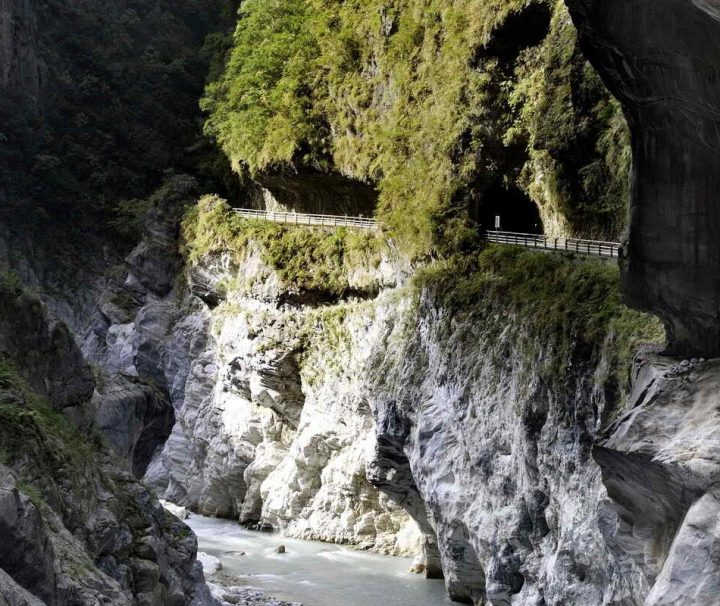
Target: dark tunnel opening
{"points": [[522, 29], [516, 211]]}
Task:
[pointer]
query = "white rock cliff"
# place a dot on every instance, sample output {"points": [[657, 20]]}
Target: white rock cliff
{"points": [[388, 422]]}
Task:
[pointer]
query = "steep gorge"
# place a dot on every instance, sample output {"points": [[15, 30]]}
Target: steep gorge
{"points": [[400, 419], [488, 412]]}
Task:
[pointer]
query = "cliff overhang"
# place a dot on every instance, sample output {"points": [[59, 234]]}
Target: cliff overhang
{"points": [[661, 60]]}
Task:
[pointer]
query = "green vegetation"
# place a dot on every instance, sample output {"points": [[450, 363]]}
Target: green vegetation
{"points": [[31, 492], [307, 259], [570, 305], [31, 431], [121, 82], [10, 283], [575, 133], [431, 100]]}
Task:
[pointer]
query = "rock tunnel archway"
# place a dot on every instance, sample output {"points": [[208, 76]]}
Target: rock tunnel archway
{"points": [[516, 210]]}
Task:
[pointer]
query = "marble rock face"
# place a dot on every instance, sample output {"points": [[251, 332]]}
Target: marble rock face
{"points": [[660, 461], [388, 423], [205, 393], [76, 527]]}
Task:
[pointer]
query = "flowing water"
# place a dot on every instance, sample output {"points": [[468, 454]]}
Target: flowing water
{"points": [[316, 574]]}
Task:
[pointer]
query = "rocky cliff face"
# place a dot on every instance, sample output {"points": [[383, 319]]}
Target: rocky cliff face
{"points": [[77, 528], [306, 385], [434, 415], [251, 440], [396, 421], [660, 464], [660, 60]]}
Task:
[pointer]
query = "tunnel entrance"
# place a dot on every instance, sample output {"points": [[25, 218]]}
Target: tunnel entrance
{"points": [[522, 29], [516, 210]]}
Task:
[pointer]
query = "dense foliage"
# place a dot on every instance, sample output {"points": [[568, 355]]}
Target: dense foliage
{"points": [[117, 107], [434, 101]]}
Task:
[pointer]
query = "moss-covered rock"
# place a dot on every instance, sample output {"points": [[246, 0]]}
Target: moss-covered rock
{"points": [[324, 263], [41, 347], [442, 105], [565, 309], [73, 519]]}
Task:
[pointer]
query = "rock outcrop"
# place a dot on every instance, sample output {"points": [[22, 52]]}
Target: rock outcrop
{"points": [[661, 60], [385, 418], [661, 464], [76, 527], [42, 347], [377, 423], [251, 441], [393, 421]]}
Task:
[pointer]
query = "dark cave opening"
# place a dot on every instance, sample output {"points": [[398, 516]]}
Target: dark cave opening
{"points": [[522, 29], [516, 211]]}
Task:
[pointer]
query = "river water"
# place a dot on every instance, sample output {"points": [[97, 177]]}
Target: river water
{"points": [[316, 574]]}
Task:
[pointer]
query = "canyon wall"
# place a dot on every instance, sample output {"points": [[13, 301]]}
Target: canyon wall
{"points": [[661, 61], [77, 527], [475, 413], [483, 421]]}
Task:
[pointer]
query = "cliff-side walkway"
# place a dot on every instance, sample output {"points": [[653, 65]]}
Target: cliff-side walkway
{"points": [[596, 248]]}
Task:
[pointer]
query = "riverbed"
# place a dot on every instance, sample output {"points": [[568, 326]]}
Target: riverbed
{"points": [[316, 574]]}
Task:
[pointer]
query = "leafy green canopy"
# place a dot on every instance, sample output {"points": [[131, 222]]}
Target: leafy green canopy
{"points": [[432, 101], [118, 107]]}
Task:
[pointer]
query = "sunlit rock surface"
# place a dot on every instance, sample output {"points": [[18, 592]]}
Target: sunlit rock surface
{"points": [[391, 424], [384, 421], [382, 425], [661, 464]]}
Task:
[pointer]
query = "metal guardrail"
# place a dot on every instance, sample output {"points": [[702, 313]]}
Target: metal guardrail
{"points": [[308, 219], [585, 247]]}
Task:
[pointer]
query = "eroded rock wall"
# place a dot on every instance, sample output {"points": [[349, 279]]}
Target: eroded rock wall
{"points": [[660, 462], [390, 420], [661, 60], [252, 440], [76, 527], [386, 422]]}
